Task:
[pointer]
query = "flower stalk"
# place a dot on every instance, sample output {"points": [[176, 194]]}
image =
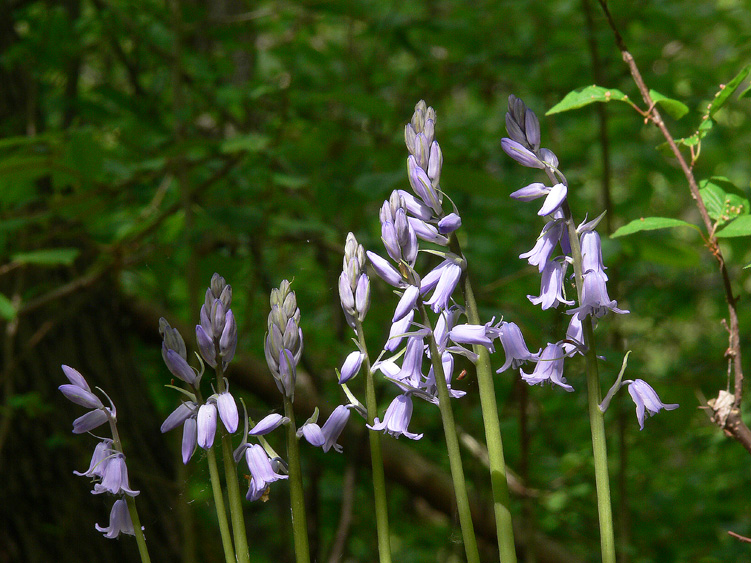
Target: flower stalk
{"points": [[498, 481], [452, 446], [297, 498], [376, 457]]}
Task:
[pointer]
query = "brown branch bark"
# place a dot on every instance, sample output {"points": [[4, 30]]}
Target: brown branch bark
{"points": [[737, 429]]}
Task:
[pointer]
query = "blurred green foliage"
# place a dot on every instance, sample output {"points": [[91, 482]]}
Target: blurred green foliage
{"points": [[160, 142]]}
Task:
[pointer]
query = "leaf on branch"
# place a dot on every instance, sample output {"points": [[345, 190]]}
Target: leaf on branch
{"points": [[47, 257], [694, 139], [738, 227], [722, 205], [673, 108], [584, 96], [726, 91], [650, 224]]}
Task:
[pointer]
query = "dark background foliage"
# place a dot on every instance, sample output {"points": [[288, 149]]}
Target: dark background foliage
{"points": [[147, 144]]}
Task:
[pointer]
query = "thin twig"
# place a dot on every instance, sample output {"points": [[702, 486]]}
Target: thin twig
{"points": [[733, 426]]}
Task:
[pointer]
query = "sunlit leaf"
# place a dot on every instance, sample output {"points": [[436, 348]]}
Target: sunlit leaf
{"points": [[673, 108], [738, 227], [650, 224], [724, 94], [585, 96]]}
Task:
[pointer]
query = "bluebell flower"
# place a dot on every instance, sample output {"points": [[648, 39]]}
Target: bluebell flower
{"points": [[591, 250], [351, 366], [550, 236], [385, 271], [482, 335], [449, 223], [595, 300], [185, 415], [514, 347], [427, 232], [450, 274], [114, 476], [261, 471], [646, 400], [549, 368], [551, 291], [520, 154], [406, 303], [334, 426], [267, 424], [312, 433], [89, 421], [225, 404], [574, 342], [206, 422], [190, 438], [120, 522], [101, 452], [397, 418], [397, 331], [416, 207]]}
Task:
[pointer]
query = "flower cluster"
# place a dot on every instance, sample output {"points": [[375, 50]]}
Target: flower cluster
{"points": [[216, 337], [107, 469], [407, 219], [523, 145]]}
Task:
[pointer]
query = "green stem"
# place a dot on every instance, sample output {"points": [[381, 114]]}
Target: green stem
{"points": [[498, 479], [235, 500], [297, 499], [233, 490], [376, 459], [138, 532], [596, 417], [143, 551], [599, 447], [221, 513], [452, 445]]}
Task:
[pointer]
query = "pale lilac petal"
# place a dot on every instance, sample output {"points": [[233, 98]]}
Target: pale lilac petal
{"points": [[179, 416], [75, 377], [120, 522], [206, 425], [81, 396], [227, 407], [267, 424], [554, 200], [351, 366], [406, 303], [334, 426], [385, 270], [89, 421]]}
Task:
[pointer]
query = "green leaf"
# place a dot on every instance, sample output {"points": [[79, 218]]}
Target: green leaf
{"points": [[47, 257], [738, 227], [585, 96], [7, 310], [650, 224], [694, 139], [722, 205], [724, 94], [673, 108]]}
